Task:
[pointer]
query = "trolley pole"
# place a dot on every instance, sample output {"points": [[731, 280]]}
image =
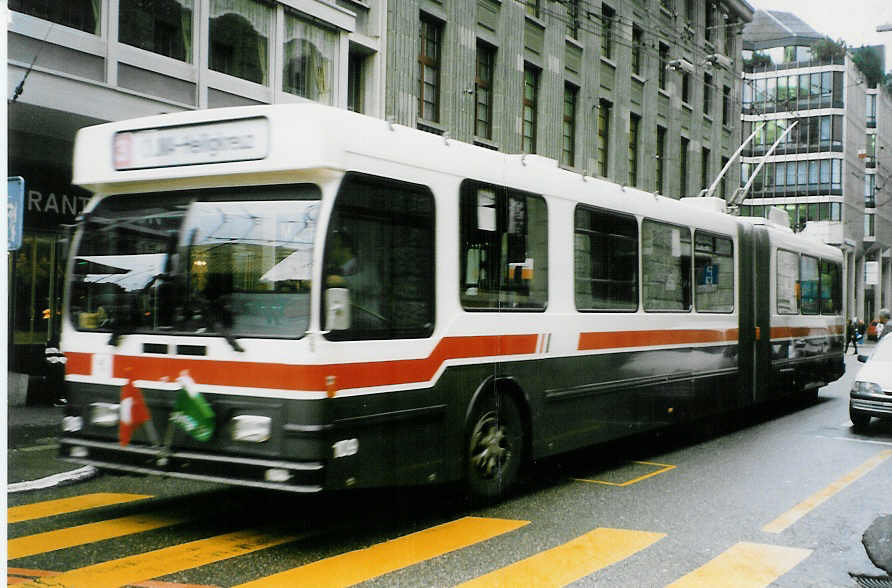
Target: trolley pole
{"points": [[740, 193], [711, 190]]}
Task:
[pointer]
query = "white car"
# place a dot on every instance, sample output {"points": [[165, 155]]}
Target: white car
{"points": [[871, 394]]}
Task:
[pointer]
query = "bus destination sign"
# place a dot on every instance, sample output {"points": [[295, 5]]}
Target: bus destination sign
{"points": [[217, 142]]}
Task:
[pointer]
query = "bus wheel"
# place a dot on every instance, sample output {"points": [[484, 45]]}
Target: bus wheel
{"points": [[494, 446]]}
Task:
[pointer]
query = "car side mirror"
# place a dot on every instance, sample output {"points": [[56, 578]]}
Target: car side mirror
{"points": [[863, 358], [337, 309]]}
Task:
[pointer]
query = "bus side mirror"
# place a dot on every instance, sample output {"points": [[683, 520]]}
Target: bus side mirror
{"points": [[337, 309]]}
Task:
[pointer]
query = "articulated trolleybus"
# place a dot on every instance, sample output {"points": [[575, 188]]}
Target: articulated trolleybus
{"points": [[302, 298]]}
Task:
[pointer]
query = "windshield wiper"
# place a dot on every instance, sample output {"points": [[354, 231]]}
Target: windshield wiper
{"points": [[210, 314]]}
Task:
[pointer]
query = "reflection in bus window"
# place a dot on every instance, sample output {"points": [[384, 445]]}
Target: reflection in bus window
{"points": [[831, 288], [666, 266], [380, 247], [809, 285], [787, 273], [213, 261], [504, 245], [606, 260], [713, 273]]}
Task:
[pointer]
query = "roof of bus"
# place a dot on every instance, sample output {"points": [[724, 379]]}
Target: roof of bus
{"points": [[291, 139]]}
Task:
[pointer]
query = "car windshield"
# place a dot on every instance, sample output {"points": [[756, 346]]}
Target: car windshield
{"points": [[232, 262]]}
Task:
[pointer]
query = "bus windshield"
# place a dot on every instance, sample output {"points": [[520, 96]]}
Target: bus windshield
{"points": [[236, 263]]}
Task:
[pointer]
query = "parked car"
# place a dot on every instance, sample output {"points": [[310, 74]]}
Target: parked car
{"points": [[872, 331], [871, 393]]}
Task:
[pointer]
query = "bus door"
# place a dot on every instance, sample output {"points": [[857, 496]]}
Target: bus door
{"points": [[762, 275]]}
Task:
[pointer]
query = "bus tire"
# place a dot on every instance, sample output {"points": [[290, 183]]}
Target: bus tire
{"points": [[495, 446]]}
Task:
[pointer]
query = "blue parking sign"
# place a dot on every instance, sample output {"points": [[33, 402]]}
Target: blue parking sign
{"points": [[15, 211]]}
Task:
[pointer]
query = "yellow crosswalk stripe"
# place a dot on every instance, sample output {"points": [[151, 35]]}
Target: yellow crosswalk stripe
{"points": [[745, 565], [169, 560], [571, 561], [48, 508], [89, 533], [803, 508], [364, 564]]}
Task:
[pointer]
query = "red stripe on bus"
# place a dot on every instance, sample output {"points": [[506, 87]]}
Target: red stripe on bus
{"points": [[619, 339], [78, 363], [313, 377], [789, 332]]}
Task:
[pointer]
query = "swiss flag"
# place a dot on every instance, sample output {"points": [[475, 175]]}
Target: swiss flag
{"points": [[134, 412]]}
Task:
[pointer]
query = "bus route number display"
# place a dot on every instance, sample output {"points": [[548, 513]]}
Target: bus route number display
{"points": [[217, 142]]}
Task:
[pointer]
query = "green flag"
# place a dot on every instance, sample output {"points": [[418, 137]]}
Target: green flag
{"points": [[191, 412]]}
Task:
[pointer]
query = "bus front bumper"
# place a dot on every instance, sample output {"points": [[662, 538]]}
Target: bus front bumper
{"points": [[235, 470]]}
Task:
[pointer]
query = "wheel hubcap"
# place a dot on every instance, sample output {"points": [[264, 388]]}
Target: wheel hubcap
{"points": [[490, 446]]}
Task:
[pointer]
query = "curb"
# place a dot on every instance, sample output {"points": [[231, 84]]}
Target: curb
{"points": [[78, 475]]}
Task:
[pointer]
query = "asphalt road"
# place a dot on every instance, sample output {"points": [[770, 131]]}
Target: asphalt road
{"points": [[778, 497]]}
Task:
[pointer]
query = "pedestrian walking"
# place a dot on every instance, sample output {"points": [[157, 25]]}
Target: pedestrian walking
{"points": [[883, 326], [852, 335]]}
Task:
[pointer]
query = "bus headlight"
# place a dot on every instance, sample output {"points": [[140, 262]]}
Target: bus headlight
{"points": [[250, 428], [105, 414]]}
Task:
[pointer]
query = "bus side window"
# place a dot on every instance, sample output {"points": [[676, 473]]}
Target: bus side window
{"points": [[666, 266], [831, 288], [809, 285], [380, 247], [713, 273], [787, 274], [606, 260], [504, 247]]}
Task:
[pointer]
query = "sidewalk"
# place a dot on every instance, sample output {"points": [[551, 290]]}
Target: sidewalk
{"points": [[32, 435]]}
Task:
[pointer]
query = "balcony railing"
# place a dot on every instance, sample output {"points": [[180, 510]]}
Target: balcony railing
{"points": [[762, 67]]}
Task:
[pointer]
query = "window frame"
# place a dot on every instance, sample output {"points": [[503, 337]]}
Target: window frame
{"points": [[426, 27], [688, 296], [733, 264], [636, 240]]}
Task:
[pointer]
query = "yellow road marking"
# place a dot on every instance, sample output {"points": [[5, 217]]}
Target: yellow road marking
{"points": [[161, 562], [89, 533], [48, 508], [364, 564], [571, 561], [800, 510], [663, 468], [745, 565]]}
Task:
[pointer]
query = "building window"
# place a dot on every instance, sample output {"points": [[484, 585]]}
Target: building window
{"points": [[483, 91], [726, 105], [869, 225], [634, 121], [157, 26], [606, 260], [354, 82], [532, 7], [668, 5], [660, 157], [429, 70], [530, 105], [568, 135], [504, 248], [707, 94], [689, 10], [607, 15], [664, 63], [683, 168], [573, 18], [730, 32], [603, 136], [704, 168], [871, 112], [239, 39], [723, 185], [685, 87], [637, 43], [83, 15], [870, 187], [310, 54], [709, 30]]}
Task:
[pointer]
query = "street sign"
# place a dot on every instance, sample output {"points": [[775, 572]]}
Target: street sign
{"points": [[15, 213]]}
